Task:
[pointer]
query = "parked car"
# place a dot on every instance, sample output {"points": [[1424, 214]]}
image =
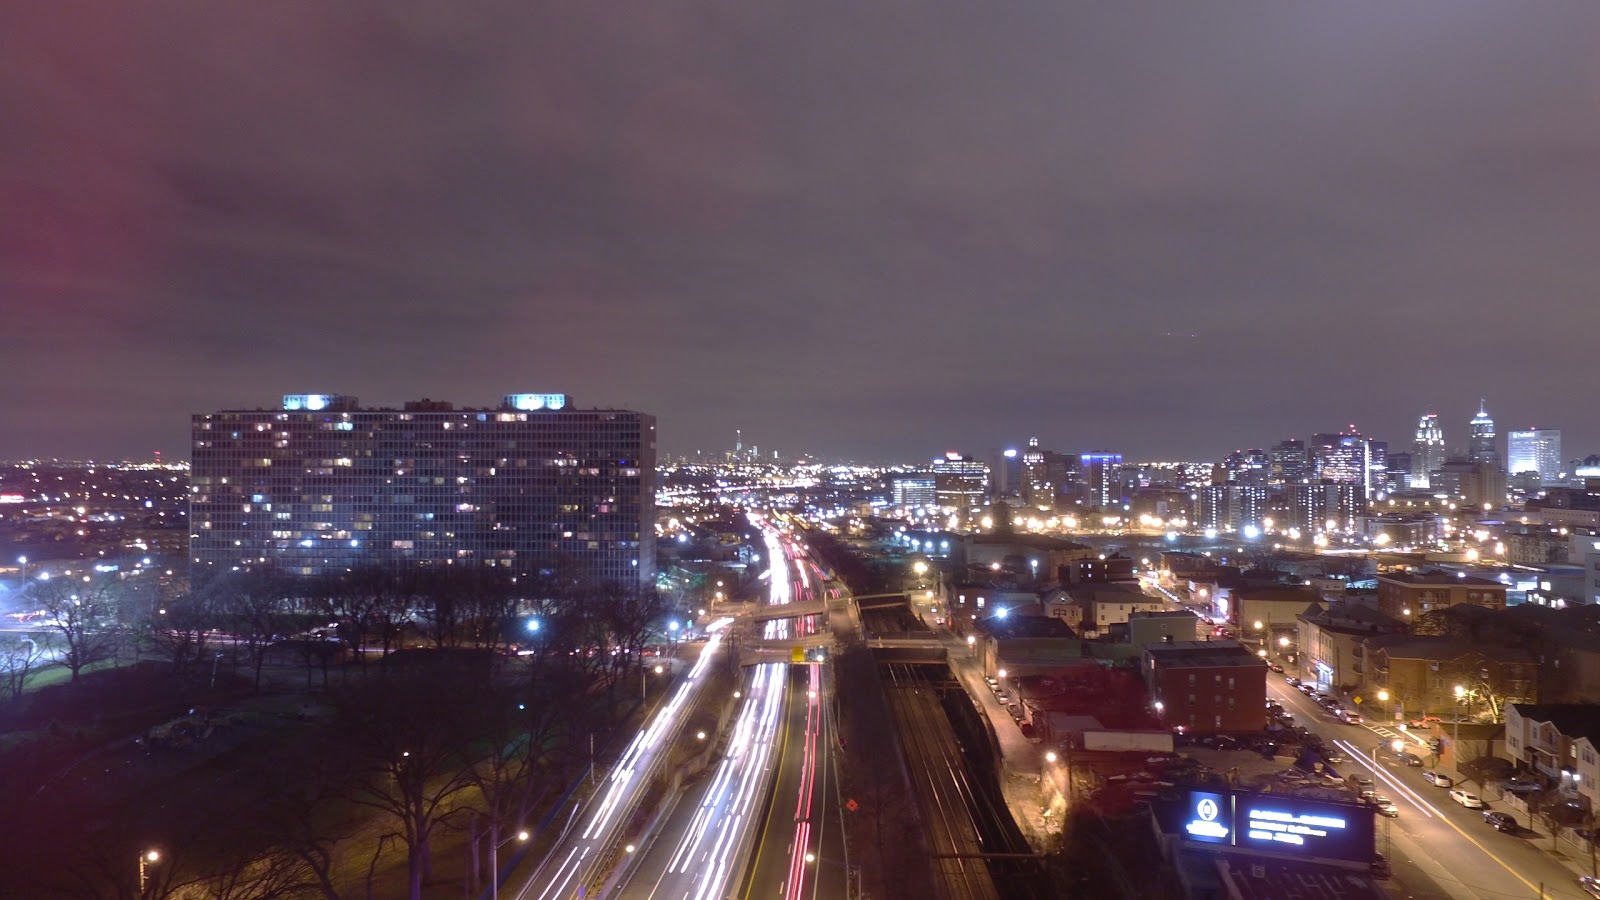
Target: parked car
{"points": [[1424, 721], [1589, 885], [1520, 787], [1349, 717], [1386, 807], [1502, 822], [1293, 681], [1275, 667], [1466, 798], [1333, 759], [1358, 778], [1438, 779], [1410, 759]]}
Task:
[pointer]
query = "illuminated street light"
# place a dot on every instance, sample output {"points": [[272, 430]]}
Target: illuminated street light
{"points": [[533, 625], [1262, 653], [1002, 612], [1001, 673], [146, 859], [1283, 641], [811, 857], [1050, 756], [1160, 706], [1383, 696], [919, 567]]}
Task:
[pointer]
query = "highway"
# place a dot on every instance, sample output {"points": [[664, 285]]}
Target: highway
{"points": [[1435, 837], [588, 849], [760, 825]]}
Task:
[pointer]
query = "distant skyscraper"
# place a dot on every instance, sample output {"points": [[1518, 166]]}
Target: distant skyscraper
{"points": [[1428, 452], [1288, 462], [1481, 445], [324, 485], [960, 482], [1536, 450], [1100, 472]]}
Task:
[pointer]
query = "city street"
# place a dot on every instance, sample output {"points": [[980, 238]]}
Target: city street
{"points": [[1463, 857]]}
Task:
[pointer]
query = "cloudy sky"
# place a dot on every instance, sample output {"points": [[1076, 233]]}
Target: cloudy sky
{"points": [[861, 229]]}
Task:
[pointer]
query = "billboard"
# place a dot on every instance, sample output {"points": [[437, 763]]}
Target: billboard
{"points": [[1276, 823], [1311, 827]]}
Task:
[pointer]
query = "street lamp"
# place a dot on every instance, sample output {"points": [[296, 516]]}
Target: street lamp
{"points": [[1455, 731], [494, 860], [146, 859]]}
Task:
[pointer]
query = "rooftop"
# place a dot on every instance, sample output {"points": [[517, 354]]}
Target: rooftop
{"points": [[1018, 626], [1259, 878], [1202, 654], [1573, 720], [1439, 578]]}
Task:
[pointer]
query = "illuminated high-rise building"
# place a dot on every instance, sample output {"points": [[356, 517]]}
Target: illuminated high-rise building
{"points": [[960, 482], [1427, 452], [324, 485], [1288, 462], [1481, 444], [1535, 450]]}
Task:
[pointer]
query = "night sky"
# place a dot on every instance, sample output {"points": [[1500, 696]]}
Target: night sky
{"points": [[866, 230]]}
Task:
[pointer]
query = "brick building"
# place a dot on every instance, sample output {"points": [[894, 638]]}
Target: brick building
{"points": [[1207, 687]]}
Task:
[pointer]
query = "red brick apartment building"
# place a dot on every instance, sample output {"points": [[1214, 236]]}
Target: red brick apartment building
{"points": [[1207, 687]]}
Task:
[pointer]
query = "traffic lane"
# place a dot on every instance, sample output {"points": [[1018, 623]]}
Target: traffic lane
{"points": [[771, 868], [1450, 823], [648, 878], [1429, 817]]}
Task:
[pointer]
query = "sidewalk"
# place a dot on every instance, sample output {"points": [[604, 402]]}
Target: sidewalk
{"points": [[1022, 761]]}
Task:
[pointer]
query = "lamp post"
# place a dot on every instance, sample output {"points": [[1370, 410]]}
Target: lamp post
{"points": [[146, 859], [494, 860], [23, 562], [1455, 738]]}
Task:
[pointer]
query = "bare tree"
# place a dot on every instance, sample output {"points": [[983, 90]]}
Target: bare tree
{"points": [[82, 613], [253, 604], [19, 657], [413, 732], [180, 630]]}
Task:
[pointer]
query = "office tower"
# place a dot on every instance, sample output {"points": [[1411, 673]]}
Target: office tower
{"points": [[1007, 471], [1535, 450], [1427, 451], [1100, 474], [1247, 467], [1481, 445], [1037, 490], [1377, 467], [912, 490], [1398, 468], [324, 485], [1287, 462], [960, 482], [1344, 458]]}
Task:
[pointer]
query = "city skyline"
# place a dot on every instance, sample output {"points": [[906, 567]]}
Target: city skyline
{"points": [[854, 232]]}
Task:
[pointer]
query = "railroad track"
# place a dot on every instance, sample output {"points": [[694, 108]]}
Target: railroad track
{"points": [[949, 797]]}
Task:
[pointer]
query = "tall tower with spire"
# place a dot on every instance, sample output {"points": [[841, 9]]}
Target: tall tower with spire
{"points": [[1427, 452], [1481, 446]]}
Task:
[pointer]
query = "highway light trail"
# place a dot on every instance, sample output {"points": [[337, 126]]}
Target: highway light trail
{"points": [[569, 868], [707, 851], [801, 847]]}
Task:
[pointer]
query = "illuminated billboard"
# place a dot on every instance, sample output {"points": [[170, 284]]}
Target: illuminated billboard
{"points": [[1311, 827], [1210, 818], [536, 401], [1276, 823]]}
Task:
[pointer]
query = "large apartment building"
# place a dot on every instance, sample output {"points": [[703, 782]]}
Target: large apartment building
{"points": [[322, 485]]}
